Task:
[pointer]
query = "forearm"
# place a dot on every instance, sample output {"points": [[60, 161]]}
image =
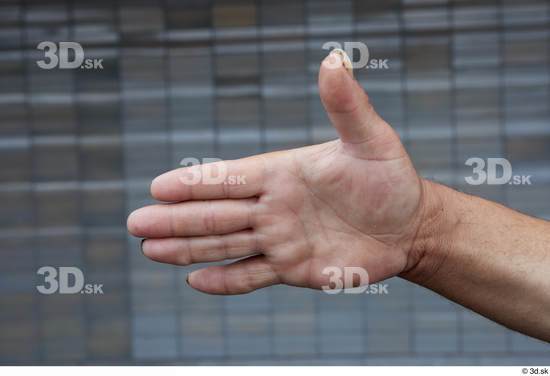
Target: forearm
{"points": [[487, 257]]}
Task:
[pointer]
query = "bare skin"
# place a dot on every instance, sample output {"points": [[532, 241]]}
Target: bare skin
{"points": [[356, 201]]}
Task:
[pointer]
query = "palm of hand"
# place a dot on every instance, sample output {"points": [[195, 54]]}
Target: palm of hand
{"points": [[323, 207]]}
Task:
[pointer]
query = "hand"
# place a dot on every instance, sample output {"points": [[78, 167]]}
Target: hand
{"points": [[356, 201]]}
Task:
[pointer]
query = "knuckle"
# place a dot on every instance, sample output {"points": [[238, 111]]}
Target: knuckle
{"points": [[209, 219], [253, 213], [186, 255], [224, 246], [226, 189]]}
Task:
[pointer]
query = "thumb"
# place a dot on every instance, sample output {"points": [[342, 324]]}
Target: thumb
{"points": [[360, 128]]}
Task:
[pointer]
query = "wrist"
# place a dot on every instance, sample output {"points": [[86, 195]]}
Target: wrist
{"points": [[433, 239]]}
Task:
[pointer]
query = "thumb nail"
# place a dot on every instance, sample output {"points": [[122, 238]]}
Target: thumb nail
{"points": [[345, 61]]}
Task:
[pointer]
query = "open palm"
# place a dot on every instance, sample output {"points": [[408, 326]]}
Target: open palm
{"points": [[355, 201]]}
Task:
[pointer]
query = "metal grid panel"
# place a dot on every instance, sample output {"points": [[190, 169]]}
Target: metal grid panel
{"points": [[228, 79]]}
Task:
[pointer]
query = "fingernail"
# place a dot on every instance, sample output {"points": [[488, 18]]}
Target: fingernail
{"points": [[346, 61], [141, 245], [189, 276]]}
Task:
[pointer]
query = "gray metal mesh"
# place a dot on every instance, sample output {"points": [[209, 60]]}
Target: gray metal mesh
{"points": [[228, 79]]}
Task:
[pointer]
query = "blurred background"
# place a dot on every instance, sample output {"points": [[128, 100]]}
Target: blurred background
{"points": [[180, 79]]}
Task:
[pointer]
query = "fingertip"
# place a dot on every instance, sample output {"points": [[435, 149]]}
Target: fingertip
{"points": [[141, 223], [189, 277], [337, 87], [141, 245], [172, 186], [153, 187], [211, 280], [338, 58], [152, 249], [158, 192], [145, 248], [199, 281], [132, 223]]}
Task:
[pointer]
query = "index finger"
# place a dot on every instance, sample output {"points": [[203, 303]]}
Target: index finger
{"points": [[240, 178]]}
